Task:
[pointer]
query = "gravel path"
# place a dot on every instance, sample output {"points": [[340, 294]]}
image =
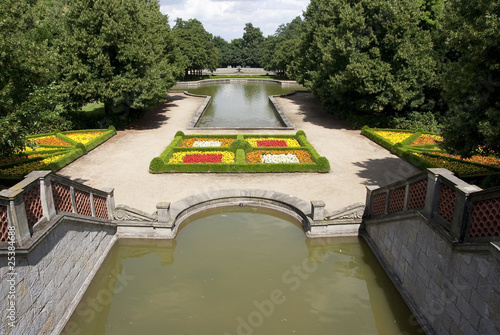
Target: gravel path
{"points": [[123, 161]]}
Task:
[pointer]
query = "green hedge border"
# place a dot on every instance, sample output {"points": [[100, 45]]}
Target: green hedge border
{"points": [[406, 152], [240, 147], [70, 153]]}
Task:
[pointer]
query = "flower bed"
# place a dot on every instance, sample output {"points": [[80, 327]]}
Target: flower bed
{"points": [[273, 142], [51, 152], [203, 142], [274, 156], [423, 151], [202, 157], [239, 153]]}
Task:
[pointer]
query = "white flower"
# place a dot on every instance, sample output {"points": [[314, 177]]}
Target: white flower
{"points": [[281, 158], [207, 144]]}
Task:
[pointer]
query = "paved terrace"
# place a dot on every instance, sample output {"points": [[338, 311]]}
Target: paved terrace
{"points": [[123, 161]]}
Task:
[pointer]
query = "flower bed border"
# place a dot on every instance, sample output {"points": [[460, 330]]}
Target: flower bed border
{"points": [[240, 147], [70, 152], [408, 153]]}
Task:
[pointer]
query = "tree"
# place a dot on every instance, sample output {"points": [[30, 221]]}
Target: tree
{"points": [[196, 45], [27, 61], [118, 52], [368, 57], [252, 46], [472, 83], [281, 49]]}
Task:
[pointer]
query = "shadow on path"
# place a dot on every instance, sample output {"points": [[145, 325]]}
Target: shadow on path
{"points": [[156, 118], [384, 171], [312, 112]]}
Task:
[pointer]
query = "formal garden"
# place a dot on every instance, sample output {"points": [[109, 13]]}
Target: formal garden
{"points": [[423, 150], [51, 151], [240, 153]]}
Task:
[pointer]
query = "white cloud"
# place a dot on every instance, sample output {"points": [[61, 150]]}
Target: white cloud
{"points": [[227, 18]]}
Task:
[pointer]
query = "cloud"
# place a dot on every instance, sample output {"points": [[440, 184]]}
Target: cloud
{"points": [[227, 18]]}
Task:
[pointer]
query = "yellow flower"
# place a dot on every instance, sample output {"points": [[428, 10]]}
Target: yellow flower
{"points": [[393, 136], [84, 137]]}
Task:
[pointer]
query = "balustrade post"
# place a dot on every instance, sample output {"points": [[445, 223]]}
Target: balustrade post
{"points": [[460, 212], [46, 195], [163, 210], [110, 201], [369, 199], [433, 190], [318, 210], [17, 214]]}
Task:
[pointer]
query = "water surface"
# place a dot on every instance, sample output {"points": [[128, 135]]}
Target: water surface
{"points": [[240, 104], [242, 272]]}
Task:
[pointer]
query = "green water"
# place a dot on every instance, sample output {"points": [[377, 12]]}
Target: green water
{"points": [[242, 272], [240, 104]]}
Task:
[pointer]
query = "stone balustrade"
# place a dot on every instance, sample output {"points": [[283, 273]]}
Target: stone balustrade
{"points": [[464, 213], [41, 196]]}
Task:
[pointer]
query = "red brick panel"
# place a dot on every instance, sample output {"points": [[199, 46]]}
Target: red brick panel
{"points": [[4, 224], [101, 207], [397, 200], [83, 203], [446, 204], [33, 205], [486, 218], [379, 201], [417, 194], [62, 197]]}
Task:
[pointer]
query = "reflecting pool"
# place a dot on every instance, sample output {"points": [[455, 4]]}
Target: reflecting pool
{"points": [[240, 104], [242, 272]]}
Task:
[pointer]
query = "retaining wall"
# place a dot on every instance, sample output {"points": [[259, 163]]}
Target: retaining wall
{"points": [[438, 239], [53, 275], [54, 235]]}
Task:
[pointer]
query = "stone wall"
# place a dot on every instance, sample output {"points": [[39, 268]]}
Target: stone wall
{"points": [[439, 240], [50, 276], [456, 292]]}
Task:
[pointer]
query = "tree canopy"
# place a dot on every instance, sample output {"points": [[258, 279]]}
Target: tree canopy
{"points": [[252, 46], [281, 49], [196, 45], [26, 73], [119, 52], [368, 57], [472, 81]]}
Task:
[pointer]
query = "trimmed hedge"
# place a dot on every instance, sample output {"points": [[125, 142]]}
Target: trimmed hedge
{"points": [[240, 147], [410, 153]]}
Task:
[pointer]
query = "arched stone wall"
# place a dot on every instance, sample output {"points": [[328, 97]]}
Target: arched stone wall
{"points": [[287, 204]]}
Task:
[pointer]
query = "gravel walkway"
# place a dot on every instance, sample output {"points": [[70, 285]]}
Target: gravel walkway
{"points": [[123, 161]]}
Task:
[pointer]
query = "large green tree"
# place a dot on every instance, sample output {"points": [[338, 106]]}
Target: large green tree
{"points": [[118, 52], [368, 57], [281, 49], [196, 45], [472, 82], [252, 46], [27, 95]]}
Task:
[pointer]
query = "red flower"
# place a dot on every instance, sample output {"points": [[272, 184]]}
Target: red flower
{"points": [[209, 158], [271, 143]]}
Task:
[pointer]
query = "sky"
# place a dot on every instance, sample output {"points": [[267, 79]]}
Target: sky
{"points": [[227, 18]]}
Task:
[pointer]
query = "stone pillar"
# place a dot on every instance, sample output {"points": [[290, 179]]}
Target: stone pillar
{"points": [[110, 200], [163, 210], [369, 199], [318, 210], [17, 214], [46, 196]]}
